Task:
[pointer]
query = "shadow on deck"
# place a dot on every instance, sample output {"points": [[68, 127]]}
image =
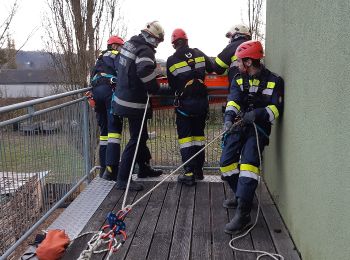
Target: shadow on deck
{"points": [[180, 222]]}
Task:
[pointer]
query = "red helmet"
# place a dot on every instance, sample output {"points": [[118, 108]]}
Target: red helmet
{"points": [[115, 39], [250, 49], [178, 34]]}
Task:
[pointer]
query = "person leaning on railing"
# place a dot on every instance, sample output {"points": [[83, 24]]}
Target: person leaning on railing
{"points": [[103, 81]]}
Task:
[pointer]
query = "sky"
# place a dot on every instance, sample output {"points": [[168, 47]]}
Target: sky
{"points": [[205, 22]]}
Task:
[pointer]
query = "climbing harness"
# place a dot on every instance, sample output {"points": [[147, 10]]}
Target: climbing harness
{"points": [[259, 252]]}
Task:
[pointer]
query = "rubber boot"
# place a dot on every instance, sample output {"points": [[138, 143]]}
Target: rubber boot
{"points": [[198, 174], [145, 170], [241, 219], [110, 173], [230, 203], [187, 179], [134, 186]]}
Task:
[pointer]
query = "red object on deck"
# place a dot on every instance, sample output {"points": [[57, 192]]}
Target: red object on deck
{"points": [[217, 85]]}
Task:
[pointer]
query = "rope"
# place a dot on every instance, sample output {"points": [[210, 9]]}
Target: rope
{"points": [[134, 159], [178, 168], [98, 239], [261, 253], [93, 243]]}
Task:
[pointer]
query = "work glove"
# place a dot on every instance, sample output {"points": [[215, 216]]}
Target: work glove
{"points": [[227, 126], [249, 117]]}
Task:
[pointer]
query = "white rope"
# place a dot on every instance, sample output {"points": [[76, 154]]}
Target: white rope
{"points": [[178, 168], [93, 244], [261, 253], [136, 149]]}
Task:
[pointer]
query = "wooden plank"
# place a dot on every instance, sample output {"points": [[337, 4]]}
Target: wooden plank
{"points": [[181, 244], [219, 218], [260, 234], [94, 224], [279, 232], [201, 234], [162, 237], [244, 242], [143, 236], [132, 221]]}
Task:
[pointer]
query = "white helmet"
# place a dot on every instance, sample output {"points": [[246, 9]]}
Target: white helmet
{"points": [[238, 28], [155, 29]]}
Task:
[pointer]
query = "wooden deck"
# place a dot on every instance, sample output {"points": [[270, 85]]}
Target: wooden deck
{"points": [[180, 222]]}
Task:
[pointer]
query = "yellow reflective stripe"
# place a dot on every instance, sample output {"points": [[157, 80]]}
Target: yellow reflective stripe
{"points": [[198, 138], [250, 168], [199, 59], [255, 82], [239, 81], [114, 135], [230, 167], [115, 52], [233, 104], [185, 140], [271, 84], [233, 58], [221, 63], [178, 65], [274, 110], [103, 138]]}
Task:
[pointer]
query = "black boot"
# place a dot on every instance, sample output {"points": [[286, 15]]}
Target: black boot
{"points": [[110, 173], [145, 170], [198, 174], [187, 179], [241, 220], [230, 203]]}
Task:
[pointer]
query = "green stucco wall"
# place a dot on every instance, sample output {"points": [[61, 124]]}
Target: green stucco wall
{"points": [[307, 164]]}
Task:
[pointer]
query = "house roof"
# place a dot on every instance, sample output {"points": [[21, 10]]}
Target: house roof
{"points": [[14, 76]]}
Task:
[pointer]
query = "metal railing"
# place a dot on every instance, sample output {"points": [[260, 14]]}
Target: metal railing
{"points": [[48, 147]]}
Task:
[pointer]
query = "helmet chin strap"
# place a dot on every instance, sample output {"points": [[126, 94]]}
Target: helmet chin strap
{"points": [[150, 39]]}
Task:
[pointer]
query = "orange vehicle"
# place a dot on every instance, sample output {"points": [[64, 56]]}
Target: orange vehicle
{"points": [[217, 85]]}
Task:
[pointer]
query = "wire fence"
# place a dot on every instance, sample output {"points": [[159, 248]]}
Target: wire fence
{"points": [[48, 147], [45, 149]]}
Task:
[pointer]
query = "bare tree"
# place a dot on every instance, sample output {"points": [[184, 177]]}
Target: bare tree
{"points": [[255, 16], [6, 53], [5, 24], [75, 31]]}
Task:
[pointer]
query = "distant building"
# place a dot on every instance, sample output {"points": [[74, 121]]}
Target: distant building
{"points": [[29, 83]]}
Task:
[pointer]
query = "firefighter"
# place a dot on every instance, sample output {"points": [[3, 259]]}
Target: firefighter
{"points": [[186, 71], [136, 80], [103, 80], [226, 60], [256, 96]]}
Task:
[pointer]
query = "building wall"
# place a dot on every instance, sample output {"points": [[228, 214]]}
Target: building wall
{"points": [[307, 164]]}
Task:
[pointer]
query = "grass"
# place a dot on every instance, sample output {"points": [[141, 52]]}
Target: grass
{"points": [[38, 153]]}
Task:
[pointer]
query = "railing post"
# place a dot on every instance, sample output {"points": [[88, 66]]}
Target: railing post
{"points": [[86, 137]]}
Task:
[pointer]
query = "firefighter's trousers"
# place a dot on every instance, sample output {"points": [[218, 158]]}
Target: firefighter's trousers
{"points": [[110, 127], [190, 130], [239, 163], [143, 155]]}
